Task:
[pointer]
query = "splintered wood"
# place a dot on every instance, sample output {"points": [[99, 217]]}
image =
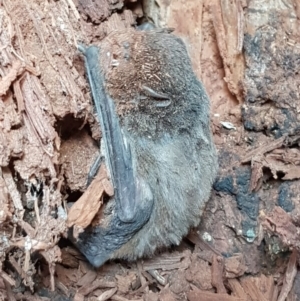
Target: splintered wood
{"points": [[49, 138], [32, 216], [280, 223], [228, 20], [87, 206], [276, 159]]}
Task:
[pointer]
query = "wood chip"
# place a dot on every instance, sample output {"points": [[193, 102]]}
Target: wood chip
{"points": [[87, 279], [17, 68], [217, 270], [251, 289], [236, 288], [168, 261], [84, 210], [119, 298], [78, 297], [289, 276], [235, 266], [98, 283], [12, 188], [264, 149], [107, 294], [280, 223], [208, 296]]}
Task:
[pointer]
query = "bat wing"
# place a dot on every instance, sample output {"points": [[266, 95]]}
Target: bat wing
{"points": [[118, 151]]}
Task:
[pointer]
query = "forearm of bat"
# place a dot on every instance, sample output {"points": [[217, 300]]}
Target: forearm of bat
{"points": [[118, 152]]}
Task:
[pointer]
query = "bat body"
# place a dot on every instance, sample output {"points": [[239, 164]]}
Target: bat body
{"points": [[154, 115]]}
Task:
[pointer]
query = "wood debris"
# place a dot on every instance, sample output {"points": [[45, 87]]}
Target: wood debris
{"points": [[289, 276], [49, 138], [84, 210]]}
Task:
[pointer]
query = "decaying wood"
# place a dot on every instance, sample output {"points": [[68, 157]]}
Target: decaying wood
{"points": [[264, 149], [98, 283], [207, 296], [228, 24], [168, 262], [107, 294], [45, 99], [217, 274], [289, 276], [120, 298], [17, 68], [237, 289], [84, 210], [280, 223], [251, 289], [266, 285], [235, 266]]}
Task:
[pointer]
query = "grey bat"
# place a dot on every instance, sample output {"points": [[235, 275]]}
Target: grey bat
{"points": [[154, 116]]}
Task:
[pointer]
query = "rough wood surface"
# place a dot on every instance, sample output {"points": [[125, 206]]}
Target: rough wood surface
{"points": [[247, 55]]}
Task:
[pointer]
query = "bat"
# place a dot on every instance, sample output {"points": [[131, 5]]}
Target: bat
{"points": [[158, 148]]}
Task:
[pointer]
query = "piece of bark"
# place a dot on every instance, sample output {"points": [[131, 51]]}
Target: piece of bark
{"points": [[266, 285], [217, 270], [124, 282], [208, 296], [87, 279], [9, 292], [280, 223], [67, 277], [252, 290], [5, 213], [199, 273], [107, 294], [237, 289], [168, 261], [289, 276], [16, 69], [52, 256], [84, 210], [120, 298], [275, 294], [256, 174], [98, 283], [7, 278], [266, 148], [206, 255], [228, 23], [13, 191], [235, 266], [68, 259], [98, 10], [78, 297]]}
